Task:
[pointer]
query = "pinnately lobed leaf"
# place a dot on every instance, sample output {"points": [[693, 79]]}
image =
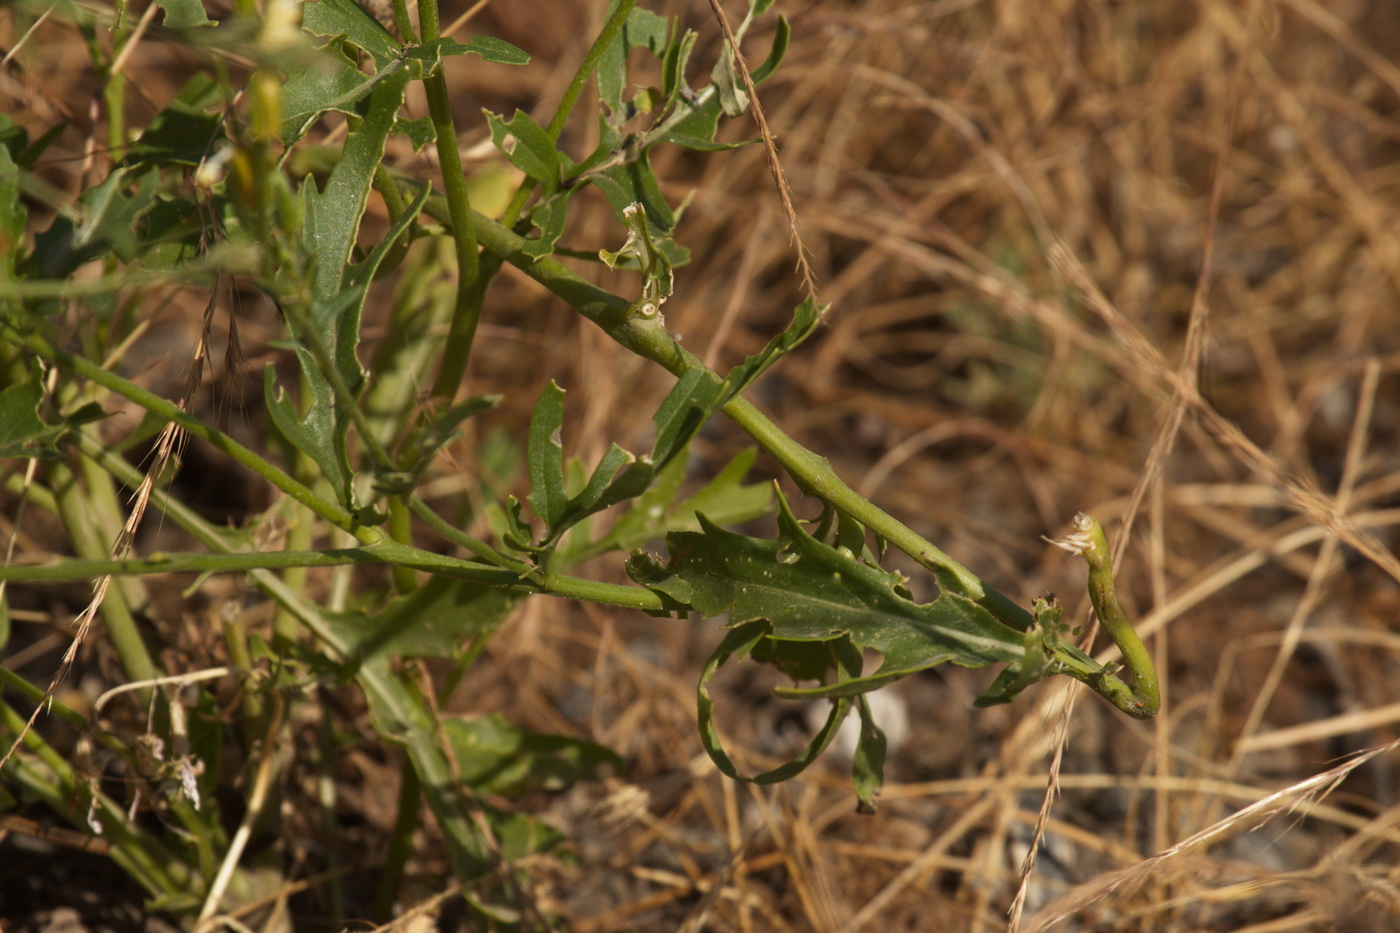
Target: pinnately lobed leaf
{"points": [[347, 18], [810, 609], [808, 591]]}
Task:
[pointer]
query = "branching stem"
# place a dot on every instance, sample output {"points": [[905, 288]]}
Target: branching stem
{"points": [[1088, 541], [466, 312], [171, 412], [647, 337]]}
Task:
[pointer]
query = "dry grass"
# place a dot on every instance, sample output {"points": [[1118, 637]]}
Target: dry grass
{"points": [[1137, 258]]}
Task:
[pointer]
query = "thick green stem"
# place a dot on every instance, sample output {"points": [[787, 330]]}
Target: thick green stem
{"points": [[429, 23], [457, 350], [609, 32], [1088, 541], [386, 552], [114, 88], [74, 507], [401, 530], [649, 338], [460, 538], [171, 412], [404, 22], [71, 716]]}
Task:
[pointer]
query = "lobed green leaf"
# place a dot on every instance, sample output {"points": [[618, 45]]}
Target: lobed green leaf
{"points": [[493, 50], [754, 638], [545, 456], [868, 763], [347, 18], [185, 14], [431, 622], [13, 216], [317, 84], [107, 221], [22, 432], [528, 147], [812, 609], [496, 757], [186, 131], [810, 591], [314, 431], [326, 333], [643, 29]]}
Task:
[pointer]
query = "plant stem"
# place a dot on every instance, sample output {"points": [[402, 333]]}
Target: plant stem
{"points": [[252, 711], [160, 562], [159, 870], [1091, 544], [37, 695], [404, 22], [326, 794], [171, 412], [257, 564], [649, 338], [609, 32], [76, 509], [457, 350], [401, 530], [114, 86], [386, 552], [462, 539], [400, 843]]}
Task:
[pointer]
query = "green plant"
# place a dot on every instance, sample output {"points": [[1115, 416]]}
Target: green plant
{"points": [[215, 189]]}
